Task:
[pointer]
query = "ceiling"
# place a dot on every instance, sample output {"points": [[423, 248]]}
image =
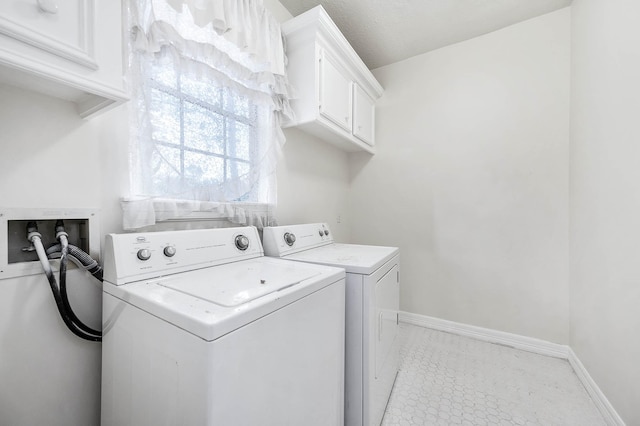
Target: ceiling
{"points": [[388, 31]]}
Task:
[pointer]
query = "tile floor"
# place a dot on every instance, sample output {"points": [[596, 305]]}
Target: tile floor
{"points": [[446, 379]]}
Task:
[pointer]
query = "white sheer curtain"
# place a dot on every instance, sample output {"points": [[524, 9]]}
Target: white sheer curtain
{"points": [[232, 49]]}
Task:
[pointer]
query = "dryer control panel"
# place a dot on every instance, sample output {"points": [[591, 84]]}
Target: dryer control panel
{"points": [[138, 256], [282, 240]]}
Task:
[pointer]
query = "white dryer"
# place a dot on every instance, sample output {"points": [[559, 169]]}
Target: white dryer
{"points": [[201, 329], [372, 304]]}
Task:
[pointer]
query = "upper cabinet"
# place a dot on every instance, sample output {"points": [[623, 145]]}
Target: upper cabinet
{"points": [[335, 92], [70, 49]]}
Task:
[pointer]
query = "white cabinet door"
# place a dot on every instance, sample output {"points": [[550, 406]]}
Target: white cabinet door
{"points": [[62, 28], [70, 49], [363, 116], [335, 93]]}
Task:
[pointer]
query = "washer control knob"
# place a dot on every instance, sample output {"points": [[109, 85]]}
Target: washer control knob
{"points": [[169, 251], [242, 242], [326, 232], [321, 233], [144, 254], [289, 238]]}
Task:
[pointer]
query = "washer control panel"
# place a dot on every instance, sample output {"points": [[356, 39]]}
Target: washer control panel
{"points": [[132, 257], [281, 240]]}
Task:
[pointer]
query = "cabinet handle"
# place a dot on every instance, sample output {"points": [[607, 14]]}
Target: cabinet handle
{"points": [[48, 6]]}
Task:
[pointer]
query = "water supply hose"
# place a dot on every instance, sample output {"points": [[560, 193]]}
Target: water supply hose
{"points": [[62, 236], [79, 257], [35, 238]]}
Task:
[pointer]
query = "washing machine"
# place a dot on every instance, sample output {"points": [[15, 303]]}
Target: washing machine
{"points": [[200, 328], [372, 304]]}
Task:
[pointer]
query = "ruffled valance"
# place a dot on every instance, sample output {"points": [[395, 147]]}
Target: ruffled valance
{"points": [[245, 24], [238, 38], [238, 32]]}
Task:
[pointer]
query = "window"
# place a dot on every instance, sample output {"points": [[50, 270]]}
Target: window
{"points": [[209, 91], [202, 139]]}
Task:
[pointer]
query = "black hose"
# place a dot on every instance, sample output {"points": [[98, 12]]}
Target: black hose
{"points": [[62, 302], [65, 298], [63, 314], [87, 261]]}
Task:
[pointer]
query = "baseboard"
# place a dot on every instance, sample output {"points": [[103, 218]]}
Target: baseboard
{"points": [[529, 344], [604, 406], [517, 341]]}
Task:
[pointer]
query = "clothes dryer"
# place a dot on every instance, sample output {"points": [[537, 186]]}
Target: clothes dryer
{"points": [[201, 329], [372, 304]]}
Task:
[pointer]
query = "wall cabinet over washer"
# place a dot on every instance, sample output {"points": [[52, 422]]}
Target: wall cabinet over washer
{"points": [[335, 91], [69, 49]]}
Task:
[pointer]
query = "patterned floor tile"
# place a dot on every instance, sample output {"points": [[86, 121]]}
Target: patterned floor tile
{"points": [[446, 379]]}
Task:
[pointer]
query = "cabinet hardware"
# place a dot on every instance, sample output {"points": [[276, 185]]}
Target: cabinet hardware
{"points": [[48, 6]]}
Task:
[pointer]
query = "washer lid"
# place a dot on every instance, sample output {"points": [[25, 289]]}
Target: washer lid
{"points": [[213, 301], [244, 282], [354, 258]]}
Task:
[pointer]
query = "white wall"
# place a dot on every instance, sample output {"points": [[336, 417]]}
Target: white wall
{"points": [[313, 184], [52, 158], [471, 179], [605, 197]]}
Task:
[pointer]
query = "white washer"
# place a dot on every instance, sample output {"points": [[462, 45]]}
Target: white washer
{"points": [[372, 304], [201, 329]]}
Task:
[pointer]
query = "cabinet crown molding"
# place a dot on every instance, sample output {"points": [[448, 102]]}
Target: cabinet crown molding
{"points": [[316, 23]]}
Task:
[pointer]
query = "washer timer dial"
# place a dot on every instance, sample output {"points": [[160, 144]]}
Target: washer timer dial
{"points": [[289, 238], [242, 242], [144, 254]]}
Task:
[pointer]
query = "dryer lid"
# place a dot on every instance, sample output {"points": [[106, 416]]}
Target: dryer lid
{"points": [[354, 258], [241, 283]]}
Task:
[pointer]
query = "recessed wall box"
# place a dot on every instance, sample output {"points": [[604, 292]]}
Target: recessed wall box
{"points": [[17, 257]]}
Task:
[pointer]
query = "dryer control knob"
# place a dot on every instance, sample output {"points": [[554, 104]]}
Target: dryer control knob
{"points": [[326, 232], [144, 254], [289, 238], [169, 251], [321, 233], [242, 242]]}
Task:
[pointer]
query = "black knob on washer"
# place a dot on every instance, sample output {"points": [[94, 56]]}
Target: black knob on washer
{"points": [[169, 251], [289, 238], [144, 254], [242, 242]]}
